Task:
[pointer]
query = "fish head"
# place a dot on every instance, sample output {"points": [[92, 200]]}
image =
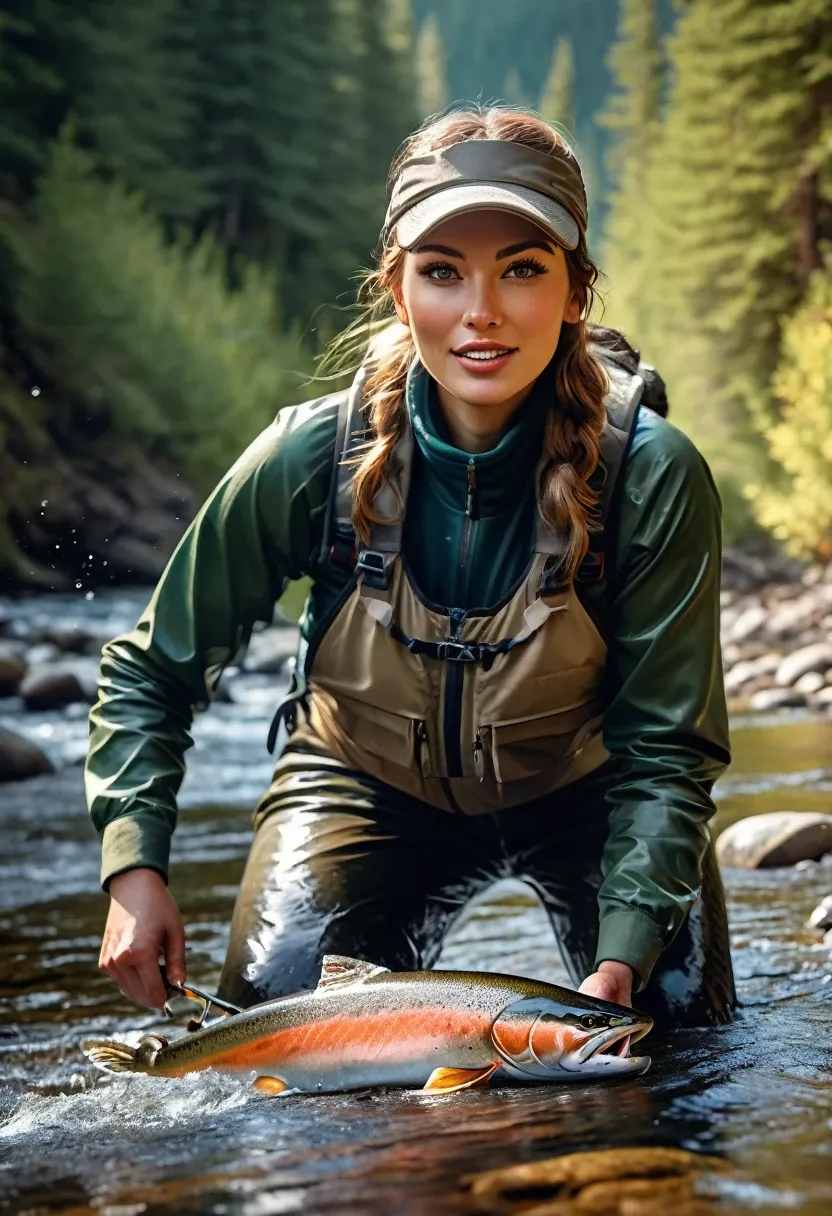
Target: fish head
{"points": [[545, 1038]]}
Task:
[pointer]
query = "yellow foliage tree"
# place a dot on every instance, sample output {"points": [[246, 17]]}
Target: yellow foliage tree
{"points": [[799, 511]]}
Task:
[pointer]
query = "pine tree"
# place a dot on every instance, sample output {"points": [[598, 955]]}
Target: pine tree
{"points": [[41, 62], [557, 102], [633, 117], [430, 69], [742, 184]]}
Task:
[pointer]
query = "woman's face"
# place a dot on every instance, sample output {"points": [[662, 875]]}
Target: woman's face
{"points": [[485, 295]]}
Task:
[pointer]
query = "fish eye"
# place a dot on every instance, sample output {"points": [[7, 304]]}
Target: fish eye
{"points": [[589, 1022]]}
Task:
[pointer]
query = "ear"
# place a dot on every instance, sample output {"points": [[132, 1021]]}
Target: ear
{"points": [[572, 312]]}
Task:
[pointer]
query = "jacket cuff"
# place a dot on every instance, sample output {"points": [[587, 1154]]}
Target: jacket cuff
{"points": [[133, 841], [629, 936]]}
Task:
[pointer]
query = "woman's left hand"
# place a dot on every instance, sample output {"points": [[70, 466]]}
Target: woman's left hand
{"points": [[611, 982]]}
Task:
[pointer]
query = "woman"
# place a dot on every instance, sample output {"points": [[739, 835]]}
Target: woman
{"points": [[511, 660]]}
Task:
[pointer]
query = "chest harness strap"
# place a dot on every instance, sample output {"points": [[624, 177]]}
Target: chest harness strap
{"points": [[372, 565]]}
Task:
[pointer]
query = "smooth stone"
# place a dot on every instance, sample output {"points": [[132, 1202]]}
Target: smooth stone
{"points": [[775, 698], [821, 918], [807, 659], [827, 938], [779, 838], [823, 698], [52, 688], [809, 683], [20, 759], [12, 668], [748, 622]]}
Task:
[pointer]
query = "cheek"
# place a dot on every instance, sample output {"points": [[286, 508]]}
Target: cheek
{"points": [[433, 312], [537, 312]]}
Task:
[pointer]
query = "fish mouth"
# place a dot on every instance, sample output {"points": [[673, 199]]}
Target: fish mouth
{"points": [[615, 1041]]}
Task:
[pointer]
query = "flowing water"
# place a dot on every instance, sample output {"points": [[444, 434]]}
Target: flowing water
{"points": [[73, 1141]]}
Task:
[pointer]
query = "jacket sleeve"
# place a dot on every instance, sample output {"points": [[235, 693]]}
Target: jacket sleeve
{"points": [[666, 726], [257, 530]]}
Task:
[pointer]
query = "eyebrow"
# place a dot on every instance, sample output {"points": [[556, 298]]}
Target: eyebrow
{"points": [[508, 252]]}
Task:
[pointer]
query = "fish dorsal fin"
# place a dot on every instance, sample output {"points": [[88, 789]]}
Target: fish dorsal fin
{"points": [[340, 969]]}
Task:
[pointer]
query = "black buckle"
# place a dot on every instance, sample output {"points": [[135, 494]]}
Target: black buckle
{"points": [[457, 652], [342, 551], [372, 568]]}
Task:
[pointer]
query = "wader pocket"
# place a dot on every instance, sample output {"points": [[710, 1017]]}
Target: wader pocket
{"points": [[521, 748], [391, 737]]}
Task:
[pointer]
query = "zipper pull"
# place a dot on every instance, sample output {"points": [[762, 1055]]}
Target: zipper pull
{"points": [[470, 497], [479, 757], [421, 745]]}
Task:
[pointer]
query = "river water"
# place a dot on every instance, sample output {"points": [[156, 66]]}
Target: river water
{"points": [[758, 1092]]}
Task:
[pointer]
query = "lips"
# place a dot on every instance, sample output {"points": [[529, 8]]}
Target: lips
{"points": [[615, 1041], [481, 357]]}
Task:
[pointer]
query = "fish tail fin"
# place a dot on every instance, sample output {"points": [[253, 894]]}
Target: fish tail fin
{"points": [[111, 1056]]}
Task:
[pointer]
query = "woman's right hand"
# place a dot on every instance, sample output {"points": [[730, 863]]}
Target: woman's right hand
{"points": [[143, 923]]}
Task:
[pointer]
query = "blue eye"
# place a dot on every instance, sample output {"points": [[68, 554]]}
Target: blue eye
{"points": [[439, 272]]}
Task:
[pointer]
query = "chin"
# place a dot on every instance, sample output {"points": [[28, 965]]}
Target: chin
{"points": [[490, 391]]}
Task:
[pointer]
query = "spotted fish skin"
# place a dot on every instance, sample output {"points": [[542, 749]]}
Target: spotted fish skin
{"points": [[365, 1026]]}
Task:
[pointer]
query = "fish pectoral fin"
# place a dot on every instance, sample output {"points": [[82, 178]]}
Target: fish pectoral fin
{"points": [[270, 1085], [340, 969], [448, 1080]]}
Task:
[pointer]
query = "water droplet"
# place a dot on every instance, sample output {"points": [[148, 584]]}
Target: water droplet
{"points": [[78, 586], [35, 391], [90, 595], [57, 546], [103, 563], [45, 501]]}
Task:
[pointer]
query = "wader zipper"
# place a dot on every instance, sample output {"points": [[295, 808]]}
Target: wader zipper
{"points": [[470, 512], [454, 679]]}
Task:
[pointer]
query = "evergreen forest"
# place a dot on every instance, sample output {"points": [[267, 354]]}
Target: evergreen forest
{"points": [[190, 188]]}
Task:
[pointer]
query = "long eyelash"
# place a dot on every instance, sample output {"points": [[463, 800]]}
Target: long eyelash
{"points": [[532, 264], [429, 266]]}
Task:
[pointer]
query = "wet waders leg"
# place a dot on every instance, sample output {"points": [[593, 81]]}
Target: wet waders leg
{"points": [[692, 984], [343, 864]]}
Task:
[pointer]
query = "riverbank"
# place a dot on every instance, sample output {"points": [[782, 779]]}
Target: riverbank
{"points": [[776, 637]]}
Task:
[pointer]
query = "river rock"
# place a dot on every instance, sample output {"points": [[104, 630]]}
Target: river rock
{"points": [[12, 668], [823, 698], [821, 918], [779, 838], [775, 698], [748, 622], [19, 758], [814, 658], [809, 683], [269, 650], [52, 688]]}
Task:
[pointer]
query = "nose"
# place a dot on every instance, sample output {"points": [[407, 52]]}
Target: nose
{"points": [[482, 307]]}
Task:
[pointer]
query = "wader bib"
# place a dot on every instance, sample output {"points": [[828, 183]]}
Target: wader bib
{"points": [[469, 711]]}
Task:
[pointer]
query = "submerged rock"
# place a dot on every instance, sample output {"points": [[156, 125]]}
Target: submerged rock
{"points": [[821, 918], [648, 1181], [780, 838], [12, 668], [52, 688], [19, 758]]}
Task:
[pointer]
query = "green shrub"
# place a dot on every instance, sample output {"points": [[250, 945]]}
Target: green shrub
{"points": [[147, 332], [798, 509]]}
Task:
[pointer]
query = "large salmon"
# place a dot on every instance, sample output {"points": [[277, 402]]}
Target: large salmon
{"points": [[364, 1025]]}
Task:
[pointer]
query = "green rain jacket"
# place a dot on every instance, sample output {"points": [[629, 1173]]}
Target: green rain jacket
{"points": [[665, 725]]}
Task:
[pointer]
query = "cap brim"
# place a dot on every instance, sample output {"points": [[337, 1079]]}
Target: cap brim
{"points": [[490, 196]]}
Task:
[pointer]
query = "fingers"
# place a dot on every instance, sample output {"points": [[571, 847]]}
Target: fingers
{"points": [[175, 952], [601, 986]]}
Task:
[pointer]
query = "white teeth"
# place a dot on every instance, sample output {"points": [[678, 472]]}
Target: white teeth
{"points": [[483, 354]]}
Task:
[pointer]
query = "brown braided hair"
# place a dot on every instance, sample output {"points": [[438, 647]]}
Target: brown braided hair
{"points": [[575, 422]]}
